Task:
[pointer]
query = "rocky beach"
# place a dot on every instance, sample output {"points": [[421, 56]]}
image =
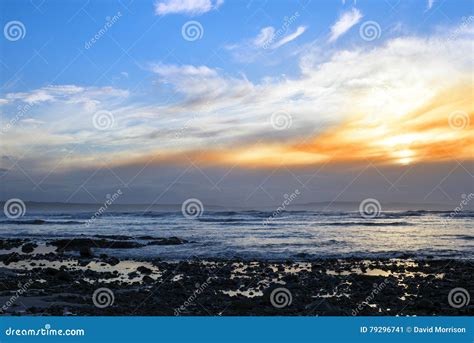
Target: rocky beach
{"points": [[67, 277]]}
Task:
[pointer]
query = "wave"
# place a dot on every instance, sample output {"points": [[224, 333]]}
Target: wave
{"points": [[40, 222], [368, 223], [462, 237]]}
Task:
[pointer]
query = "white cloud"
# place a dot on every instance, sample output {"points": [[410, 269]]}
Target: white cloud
{"points": [[344, 23], [173, 71], [229, 109], [268, 39], [266, 34], [190, 7], [288, 38], [66, 93], [201, 85], [32, 121], [430, 4]]}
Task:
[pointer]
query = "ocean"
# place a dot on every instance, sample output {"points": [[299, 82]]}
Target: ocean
{"points": [[297, 235]]}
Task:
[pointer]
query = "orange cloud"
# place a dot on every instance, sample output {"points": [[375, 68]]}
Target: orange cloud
{"points": [[439, 131]]}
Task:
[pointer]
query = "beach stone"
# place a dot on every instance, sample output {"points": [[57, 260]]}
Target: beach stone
{"points": [[148, 280], [63, 276], [144, 270], [112, 261], [28, 247], [168, 241]]}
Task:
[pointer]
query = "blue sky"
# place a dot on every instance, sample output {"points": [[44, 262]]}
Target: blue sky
{"points": [[211, 90], [57, 32]]}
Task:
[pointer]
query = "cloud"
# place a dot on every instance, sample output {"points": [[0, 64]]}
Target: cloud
{"points": [[67, 93], [430, 4], [392, 101], [288, 38], [189, 7], [32, 121], [201, 85], [344, 23], [266, 34], [268, 39]]}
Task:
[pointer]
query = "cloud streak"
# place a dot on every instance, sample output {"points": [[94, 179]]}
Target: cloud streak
{"points": [[344, 23], [189, 7]]}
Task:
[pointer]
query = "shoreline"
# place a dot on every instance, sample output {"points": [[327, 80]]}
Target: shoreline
{"points": [[63, 284]]}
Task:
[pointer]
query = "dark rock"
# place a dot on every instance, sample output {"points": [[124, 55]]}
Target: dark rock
{"points": [[113, 261], [28, 248], [6, 244], [168, 241], [147, 279], [78, 243], [63, 276], [144, 270]]}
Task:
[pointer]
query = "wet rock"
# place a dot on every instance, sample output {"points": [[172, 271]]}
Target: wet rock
{"points": [[28, 248], [63, 276], [6, 244], [147, 279], [132, 275], [144, 270], [113, 261], [79, 243], [168, 241]]}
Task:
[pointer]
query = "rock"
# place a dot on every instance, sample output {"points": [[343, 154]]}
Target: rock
{"points": [[144, 270], [6, 244], [132, 275], [147, 279], [113, 261], [63, 276], [78, 243], [28, 248], [168, 241]]}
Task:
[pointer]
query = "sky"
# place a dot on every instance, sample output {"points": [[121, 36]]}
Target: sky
{"points": [[236, 103]]}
